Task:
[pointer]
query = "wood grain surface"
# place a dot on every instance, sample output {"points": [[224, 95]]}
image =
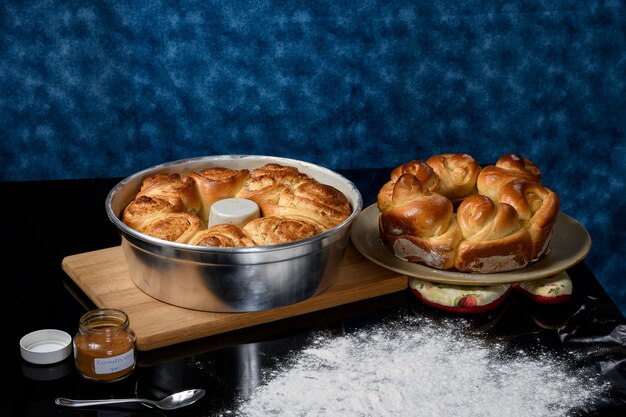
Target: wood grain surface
{"points": [[104, 277]]}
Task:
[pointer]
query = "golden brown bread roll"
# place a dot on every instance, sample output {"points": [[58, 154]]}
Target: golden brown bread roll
{"points": [[494, 239], [537, 207], [217, 183], [522, 166], [457, 173], [276, 230], [508, 168], [173, 188], [269, 175], [422, 171], [138, 210], [419, 225], [175, 227], [284, 191], [310, 199], [223, 236], [267, 182]]}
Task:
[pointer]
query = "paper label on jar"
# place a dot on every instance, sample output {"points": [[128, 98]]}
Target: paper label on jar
{"points": [[114, 363]]}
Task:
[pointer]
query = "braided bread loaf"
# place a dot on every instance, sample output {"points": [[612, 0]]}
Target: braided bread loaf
{"points": [[448, 212], [292, 205]]}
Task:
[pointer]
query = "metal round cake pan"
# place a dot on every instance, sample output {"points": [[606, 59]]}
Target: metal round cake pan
{"points": [[232, 279]]}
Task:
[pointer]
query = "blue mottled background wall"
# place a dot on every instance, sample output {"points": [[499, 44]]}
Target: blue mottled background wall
{"points": [[106, 88]]}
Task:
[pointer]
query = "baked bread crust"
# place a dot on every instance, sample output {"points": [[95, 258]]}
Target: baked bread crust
{"points": [[136, 213], [173, 188], [493, 237], [457, 174], [293, 205], [419, 169], [222, 236], [419, 225], [274, 230], [322, 203], [216, 183], [508, 167], [495, 219], [175, 227], [537, 207], [522, 166], [285, 192]]}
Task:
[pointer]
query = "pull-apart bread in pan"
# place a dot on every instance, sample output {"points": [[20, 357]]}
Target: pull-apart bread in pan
{"points": [[292, 206]]}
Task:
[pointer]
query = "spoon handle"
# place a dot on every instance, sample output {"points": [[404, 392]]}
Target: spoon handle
{"points": [[67, 402]]}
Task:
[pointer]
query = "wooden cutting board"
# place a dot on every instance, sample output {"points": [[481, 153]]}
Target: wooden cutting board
{"points": [[103, 276]]}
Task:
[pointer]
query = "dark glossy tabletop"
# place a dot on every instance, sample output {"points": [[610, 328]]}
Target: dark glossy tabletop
{"points": [[45, 221]]}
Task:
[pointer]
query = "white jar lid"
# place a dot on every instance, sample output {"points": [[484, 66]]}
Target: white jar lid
{"points": [[237, 211], [46, 346]]}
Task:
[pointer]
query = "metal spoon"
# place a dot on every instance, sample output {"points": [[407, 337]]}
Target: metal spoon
{"points": [[171, 402]]}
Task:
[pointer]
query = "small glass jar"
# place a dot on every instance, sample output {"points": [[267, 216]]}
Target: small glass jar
{"points": [[104, 347]]}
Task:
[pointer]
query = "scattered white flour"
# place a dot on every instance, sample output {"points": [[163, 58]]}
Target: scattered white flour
{"points": [[418, 368]]}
